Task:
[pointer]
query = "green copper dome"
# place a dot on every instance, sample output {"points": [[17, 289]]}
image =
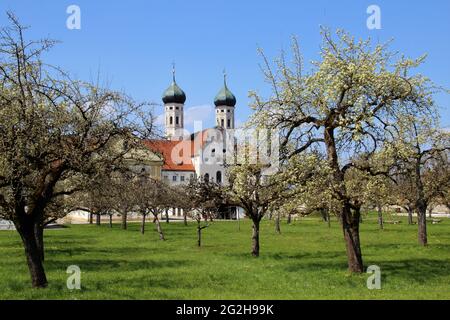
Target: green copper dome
{"points": [[174, 94], [225, 97]]}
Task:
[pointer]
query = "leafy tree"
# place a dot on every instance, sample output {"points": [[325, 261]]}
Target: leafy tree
{"points": [[53, 130], [151, 196], [204, 197], [183, 200], [255, 191], [422, 162], [344, 106]]}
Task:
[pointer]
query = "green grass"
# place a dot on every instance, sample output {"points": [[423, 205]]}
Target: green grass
{"points": [[307, 261]]}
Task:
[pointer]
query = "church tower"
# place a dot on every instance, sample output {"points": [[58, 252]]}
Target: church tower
{"points": [[225, 102], [174, 99]]}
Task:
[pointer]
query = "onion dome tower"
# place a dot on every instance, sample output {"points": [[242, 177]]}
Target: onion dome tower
{"points": [[225, 102], [174, 99]]}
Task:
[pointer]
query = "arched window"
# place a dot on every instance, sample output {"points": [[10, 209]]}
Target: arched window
{"points": [[171, 120], [177, 121], [213, 152], [219, 177], [207, 177]]}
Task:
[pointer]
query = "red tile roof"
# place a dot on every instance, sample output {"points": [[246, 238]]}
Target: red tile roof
{"points": [[176, 154]]}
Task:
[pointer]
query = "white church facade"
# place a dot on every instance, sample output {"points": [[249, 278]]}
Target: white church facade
{"points": [[200, 154]]}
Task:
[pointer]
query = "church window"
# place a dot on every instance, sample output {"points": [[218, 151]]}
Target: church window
{"points": [[228, 123], [222, 122], [207, 177], [171, 120], [177, 120], [219, 177]]}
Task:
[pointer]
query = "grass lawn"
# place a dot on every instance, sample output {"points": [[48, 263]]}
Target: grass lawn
{"points": [[307, 261]]}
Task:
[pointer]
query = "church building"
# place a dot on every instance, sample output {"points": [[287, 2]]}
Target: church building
{"points": [[200, 154]]}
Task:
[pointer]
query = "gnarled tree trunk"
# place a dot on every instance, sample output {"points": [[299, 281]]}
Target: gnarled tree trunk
{"points": [[39, 235], [199, 234], [33, 254], [143, 224], [422, 224], [159, 229], [124, 220], [349, 221], [410, 215], [277, 224], [255, 238], [350, 225], [328, 218], [323, 213], [421, 207], [380, 217]]}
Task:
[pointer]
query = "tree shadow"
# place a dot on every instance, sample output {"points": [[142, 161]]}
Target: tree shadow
{"points": [[116, 264]]}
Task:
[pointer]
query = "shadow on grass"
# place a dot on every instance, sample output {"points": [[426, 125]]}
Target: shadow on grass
{"points": [[416, 270], [88, 264]]}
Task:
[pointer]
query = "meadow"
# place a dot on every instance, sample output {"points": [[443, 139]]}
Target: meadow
{"points": [[306, 261]]}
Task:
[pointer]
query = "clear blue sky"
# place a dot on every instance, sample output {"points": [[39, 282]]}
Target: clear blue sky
{"points": [[133, 43]]}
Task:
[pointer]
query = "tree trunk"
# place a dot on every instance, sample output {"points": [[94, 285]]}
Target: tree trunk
{"points": [[277, 224], [380, 217], [323, 213], [185, 217], [91, 218], [350, 225], [32, 253], [143, 224], [430, 211], [159, 229], [39, 235], [167, 215], [255, 238], [421, 206], [328, 218], [289, 218], [349, 222], [410, 216], [110, 221], [124, 220], [97, 219], [422, 224], [199, 234]]}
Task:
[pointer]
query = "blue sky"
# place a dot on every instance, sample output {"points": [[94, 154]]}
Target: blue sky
{"points": [[133, 43]]}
